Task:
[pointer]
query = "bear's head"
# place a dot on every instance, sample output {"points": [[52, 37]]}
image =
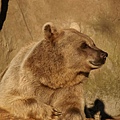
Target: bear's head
{"points": [[65, 57]]}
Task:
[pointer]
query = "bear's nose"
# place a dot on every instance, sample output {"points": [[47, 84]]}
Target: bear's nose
{"points": [[103, 54]]}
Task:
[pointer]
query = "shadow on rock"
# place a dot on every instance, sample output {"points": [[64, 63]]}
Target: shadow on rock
{"points": [[97, 107], [4, 9]]}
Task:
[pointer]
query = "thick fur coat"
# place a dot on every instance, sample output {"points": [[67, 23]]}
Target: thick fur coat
{"points": [[45, 80]]}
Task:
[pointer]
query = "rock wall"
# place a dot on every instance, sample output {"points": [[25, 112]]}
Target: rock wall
{"points": [[100, 19]]}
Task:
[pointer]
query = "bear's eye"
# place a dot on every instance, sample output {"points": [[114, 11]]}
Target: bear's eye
{"points": [[84, 45]]}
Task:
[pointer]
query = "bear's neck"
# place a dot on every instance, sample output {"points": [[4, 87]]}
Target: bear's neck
{"points": [[65, 79]]}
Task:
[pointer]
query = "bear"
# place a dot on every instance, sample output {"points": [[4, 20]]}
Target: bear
{"points": [[45, 79]]}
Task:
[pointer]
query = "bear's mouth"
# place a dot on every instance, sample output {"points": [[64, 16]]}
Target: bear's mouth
{"points": [[97, 63]]}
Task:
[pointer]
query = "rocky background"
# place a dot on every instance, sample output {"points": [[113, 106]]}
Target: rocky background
{"points": [[99, 19]]}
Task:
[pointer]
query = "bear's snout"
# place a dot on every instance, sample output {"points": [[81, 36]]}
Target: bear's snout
{"points": [[103, 55], [99, 59]]}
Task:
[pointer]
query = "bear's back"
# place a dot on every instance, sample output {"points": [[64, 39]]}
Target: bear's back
{"points": [[13, 69]]}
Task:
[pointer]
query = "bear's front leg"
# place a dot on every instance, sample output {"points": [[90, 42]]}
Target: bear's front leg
{"points": [[70, 101]]}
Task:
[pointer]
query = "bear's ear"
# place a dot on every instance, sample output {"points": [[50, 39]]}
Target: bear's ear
{"points": [[50, 31], [75, 26]]}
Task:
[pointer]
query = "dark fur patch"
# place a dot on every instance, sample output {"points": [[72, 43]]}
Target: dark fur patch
{"points": [[73, 110], [30, 101]]}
